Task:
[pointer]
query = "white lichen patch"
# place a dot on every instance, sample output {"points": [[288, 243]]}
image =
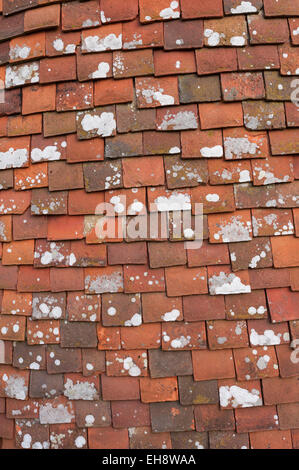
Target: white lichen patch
{"points": [[101, 72], [185, 172], [13, 158], [171, 12], [129, 366], [90, 23], [225, 284], [134, 43], [103, 125], [97, 44], [238, 397], [49, 414], [171, 316], [152, 94], [80, 442], [257, 310], [46, 307], [53, 256], [104, 283], [15, 387], [180, 342], [47, 154], [239, 147], [19, 52], [136, 320], [173, 202], [26, 441], [80, 390], [268, 338], [213, 197], [234, 231], [17, 75], [212, 152], [213, 37], [263, 361], [34, 180], [44, 208], [60, 46], [179, 121], [136, 207], [3, 232], [266, 176], [244, 7], [237, 40], [244, 176]]}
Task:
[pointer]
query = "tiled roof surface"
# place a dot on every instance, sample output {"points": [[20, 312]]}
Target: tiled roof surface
{"points": [[149, 343]]}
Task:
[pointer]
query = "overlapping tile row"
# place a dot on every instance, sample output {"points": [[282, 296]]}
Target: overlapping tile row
{"points": [[140, 341]]}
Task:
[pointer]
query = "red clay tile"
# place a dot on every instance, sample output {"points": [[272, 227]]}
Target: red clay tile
{"points": [[288, 415], [260, 418], [116, 388], [228, 440], [74, 96], [183, 34], [77, 15], [211, 418], [58, 43], [133, 64], [93, 66], [246, 306], [215, 115], [256, 363], [171, 416], [58, 69], [264, 58], [201, 10], [273, 8], [143, 438], [193, 281], [119, 92], [174, 62], [259, 115], [199, 89], [139, 36], [223, 334], [219, 199], [157, 390], [27, 47], [197, 144], [271, 440], [108, 438], [54, 127], [203, 307], [215, 60], [128, 413], [38, 99], [106, 37], [267, 31], [209, 365], [239, 86]]}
